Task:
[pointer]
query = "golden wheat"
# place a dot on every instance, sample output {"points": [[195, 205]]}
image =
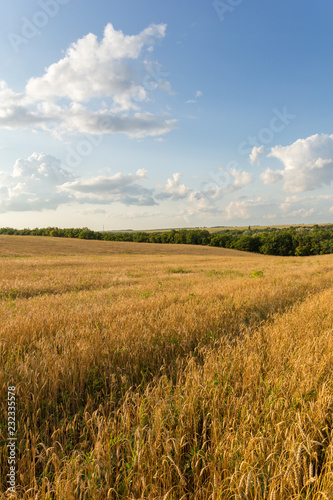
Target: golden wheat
{"points": [[157, 371]]}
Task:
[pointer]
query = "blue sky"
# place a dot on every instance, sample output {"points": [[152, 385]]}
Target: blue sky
{"points": [[157, 114]]}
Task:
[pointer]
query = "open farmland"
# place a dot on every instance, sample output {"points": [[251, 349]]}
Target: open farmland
{"points": [[165, 371]]}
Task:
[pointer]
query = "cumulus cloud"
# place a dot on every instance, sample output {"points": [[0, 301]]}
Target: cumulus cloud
{"points": [[306, 205], [270, 176], [202, 196], [198, 205], [41, 183], [255, 155], [308, 164], [96, 69], [120, 188], [205, 201], [238, 210], [240, 178], [302, 206], [201, 210], [226, 181], [99, 87], [286, 204], [174, 189], [243, 209], [33, 184]]}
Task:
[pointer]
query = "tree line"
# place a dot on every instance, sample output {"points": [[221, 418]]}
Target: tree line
{"points": [[293, 241]]}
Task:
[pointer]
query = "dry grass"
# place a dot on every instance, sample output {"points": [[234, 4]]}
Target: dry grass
{"points": [[164, 372], [26, 246]]}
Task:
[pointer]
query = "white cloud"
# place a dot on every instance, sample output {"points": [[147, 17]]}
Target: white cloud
{"points": [[197, 207], [255, 155], [241, 179], [237, 210], [174, 189], [205, 201], [120, 188], [286, 204], [206, 197], [99, 87], [33, 184], [301, 212], [197, 94], [317, 206], [97, 69], [226, 181], [142, 173], [308, 164], [271, 176], [40, 183], [243, 209]]}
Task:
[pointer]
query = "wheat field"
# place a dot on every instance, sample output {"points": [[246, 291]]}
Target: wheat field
{"points": [[165, 371]]}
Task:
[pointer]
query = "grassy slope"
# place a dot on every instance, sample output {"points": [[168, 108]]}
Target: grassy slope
{"points": [[26, 246], [169, 373]]}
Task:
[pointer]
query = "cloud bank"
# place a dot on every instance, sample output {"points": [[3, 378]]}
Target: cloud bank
{"points": [[40, 182]]}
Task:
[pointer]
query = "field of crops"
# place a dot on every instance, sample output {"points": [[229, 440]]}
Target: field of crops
{"points": [[151, 371]]}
